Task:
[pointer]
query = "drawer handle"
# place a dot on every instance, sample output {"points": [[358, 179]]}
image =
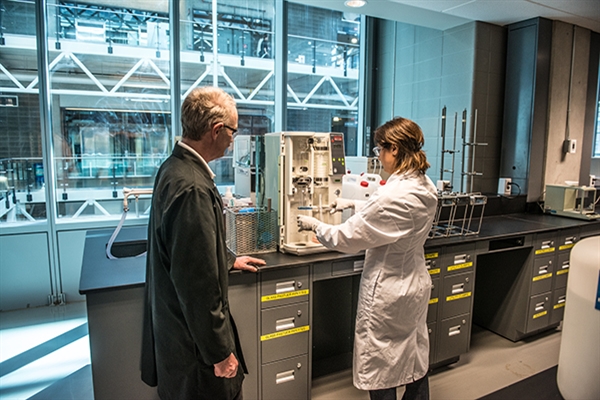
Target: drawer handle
{"points": [[284, 377], [570, 240], [565, 265], [454, 330], [547, 244], [283, 287], [460, 259], [358, 265], [543, 270], [285, 323], [539, 306], [458, 288], [562, 299]]}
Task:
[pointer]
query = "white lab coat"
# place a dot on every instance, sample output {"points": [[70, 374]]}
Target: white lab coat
{"points": [[391, 343]]}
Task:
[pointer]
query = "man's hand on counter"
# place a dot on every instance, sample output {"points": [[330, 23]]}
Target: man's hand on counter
{"points": [[248, 263]]}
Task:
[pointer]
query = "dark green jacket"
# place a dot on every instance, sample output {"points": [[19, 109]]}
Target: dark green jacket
{"points": [[187, 325]]}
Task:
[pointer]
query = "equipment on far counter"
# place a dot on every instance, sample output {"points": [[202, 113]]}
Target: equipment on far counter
{"points": [[571, 201]]}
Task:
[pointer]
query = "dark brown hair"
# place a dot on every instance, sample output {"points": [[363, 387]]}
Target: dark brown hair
{"points": [[407, 137]]}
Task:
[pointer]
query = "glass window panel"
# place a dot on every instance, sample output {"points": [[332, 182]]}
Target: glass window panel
{"points": [[22, 188], [323, 62], [596, 144], [109, 79], [243, 67]]}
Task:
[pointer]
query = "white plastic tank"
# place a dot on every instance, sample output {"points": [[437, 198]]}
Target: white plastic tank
{"points": [[578, 374], [360, 187]]}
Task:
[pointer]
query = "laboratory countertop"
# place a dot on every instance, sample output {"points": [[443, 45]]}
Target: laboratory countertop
{"points": [[99, 273]]}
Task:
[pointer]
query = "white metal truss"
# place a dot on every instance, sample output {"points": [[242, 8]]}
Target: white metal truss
{"points": [[213, 67], [138, 65], [11, 77], [260, 85]]}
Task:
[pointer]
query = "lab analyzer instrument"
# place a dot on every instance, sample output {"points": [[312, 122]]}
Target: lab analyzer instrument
{"points": [[303, 175]]}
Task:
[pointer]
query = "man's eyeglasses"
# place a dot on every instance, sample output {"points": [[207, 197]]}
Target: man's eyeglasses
{"points": [[233, 131]]}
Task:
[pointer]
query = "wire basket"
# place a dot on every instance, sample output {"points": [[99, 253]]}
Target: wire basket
{"points": [[251, 232]]}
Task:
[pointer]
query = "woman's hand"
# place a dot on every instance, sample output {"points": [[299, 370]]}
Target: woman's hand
{"points": [[340, 204], [306, 223]]}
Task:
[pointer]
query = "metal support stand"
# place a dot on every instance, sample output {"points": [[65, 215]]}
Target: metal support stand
{"points": [[473, 144], [458, 213]]}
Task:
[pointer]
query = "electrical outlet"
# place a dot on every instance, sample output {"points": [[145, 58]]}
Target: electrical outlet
{"points": [[443, 186], [570, 146], [504, 186]]}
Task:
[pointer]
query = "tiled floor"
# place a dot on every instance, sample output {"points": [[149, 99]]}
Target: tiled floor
{"points": [[491, 364], [44, 354], [40, 346]]}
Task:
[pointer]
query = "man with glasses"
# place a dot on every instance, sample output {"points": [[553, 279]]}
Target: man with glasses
{"points": [[190, 345]]}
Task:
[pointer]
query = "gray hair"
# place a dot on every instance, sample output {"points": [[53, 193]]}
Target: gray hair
{"points": [[203, 108]]}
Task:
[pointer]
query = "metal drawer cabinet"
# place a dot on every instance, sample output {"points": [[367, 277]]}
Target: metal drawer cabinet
{"points": [[542, 272], [284, 332], [544, 244], [457, 294], [287, 379], [347, 267], [561, 274], [567, 238], [454, 337], [431, 328], [458, 258], [559, 299], [433, 300], [284, 286], [432, 262], [538, 315]]}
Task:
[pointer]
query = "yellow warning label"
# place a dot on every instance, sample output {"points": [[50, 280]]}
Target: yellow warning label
{"points": [[544, 251], [433, 301], [287, 332], [287, 295], [458, 296], [434, 271], [562, 271], [566, 246], [559, 305], [540, 277], [460, 266], [429, 256], [540, 314]]}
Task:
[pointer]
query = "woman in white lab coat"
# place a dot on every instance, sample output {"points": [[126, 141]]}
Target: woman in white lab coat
{"points": [[391, 344]]}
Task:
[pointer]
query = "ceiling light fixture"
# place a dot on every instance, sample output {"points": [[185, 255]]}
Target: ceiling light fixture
{"points": [[355, 3]]}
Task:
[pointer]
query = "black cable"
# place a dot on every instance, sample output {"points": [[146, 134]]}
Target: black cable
{"points": [[519, 187]]}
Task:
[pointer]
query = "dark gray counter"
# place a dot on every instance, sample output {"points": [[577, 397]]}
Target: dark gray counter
{"points": [[100, 273]]}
